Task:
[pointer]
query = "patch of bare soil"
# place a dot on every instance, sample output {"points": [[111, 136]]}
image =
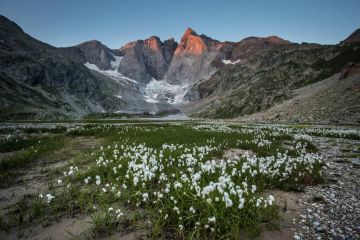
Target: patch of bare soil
{"points": [[290, 208], [133, 234], [33, 179], [66, 228]]}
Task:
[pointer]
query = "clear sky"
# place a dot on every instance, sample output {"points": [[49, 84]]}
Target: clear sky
{"points": [[69, 22]]}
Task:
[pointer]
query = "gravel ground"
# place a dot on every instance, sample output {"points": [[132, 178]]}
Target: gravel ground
{"points": [[332, 210]]}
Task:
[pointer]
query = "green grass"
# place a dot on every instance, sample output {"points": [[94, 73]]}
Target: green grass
{"points": [[56, 129], [35, 149], [18, 144]]}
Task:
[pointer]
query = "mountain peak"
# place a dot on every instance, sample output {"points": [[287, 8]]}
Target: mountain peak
{"points": [[153, 43], [354, 37], [96, 53], [170, 40], [92, 43], [276, 39], [189, 31], [191, 43]]}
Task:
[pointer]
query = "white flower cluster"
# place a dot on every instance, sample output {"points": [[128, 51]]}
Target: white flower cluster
{"points": [[177, 172], [188, 186], [71, 171], [49, 197]]}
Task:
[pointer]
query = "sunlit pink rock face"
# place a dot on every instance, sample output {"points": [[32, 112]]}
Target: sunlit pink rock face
{"points": [[193, 57], [193, 44], [153, 43]]}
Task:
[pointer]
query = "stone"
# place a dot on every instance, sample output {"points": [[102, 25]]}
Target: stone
{"points": [[297, 237]]}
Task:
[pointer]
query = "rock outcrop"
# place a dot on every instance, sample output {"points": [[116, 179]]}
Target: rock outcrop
{"points": [[193, 58], [96, 53], [169, 49], [249, 46], [144, 60], [197, 57]]}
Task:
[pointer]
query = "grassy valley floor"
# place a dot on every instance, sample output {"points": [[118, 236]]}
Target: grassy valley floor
{"points": [[146, 179]]}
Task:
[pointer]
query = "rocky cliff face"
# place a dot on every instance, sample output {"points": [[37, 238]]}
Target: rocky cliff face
{"points": [[144, 60], [169, 49], [193, 58], [197, 57], [96, 53]]}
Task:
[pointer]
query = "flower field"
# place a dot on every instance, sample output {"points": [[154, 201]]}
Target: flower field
{"points": [[177, 176], [178, 180]]}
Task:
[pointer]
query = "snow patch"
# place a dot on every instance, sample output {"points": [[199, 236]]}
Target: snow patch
{"points": [[114, 74], [129, 79], [115, 64], [154, 92], [230, 62], [150, 100], [92, 66], [162, 91]]}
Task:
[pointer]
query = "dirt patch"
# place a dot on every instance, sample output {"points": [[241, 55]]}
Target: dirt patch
{"points": [[66, 228], [290, 208], [133, 235], [33, 180], [29, 186]]}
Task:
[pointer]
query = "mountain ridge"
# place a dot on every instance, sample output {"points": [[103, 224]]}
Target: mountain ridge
{"points": [[199, 75]]}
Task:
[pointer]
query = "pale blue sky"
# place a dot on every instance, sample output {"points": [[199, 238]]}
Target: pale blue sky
{"points": [[69, 22]]}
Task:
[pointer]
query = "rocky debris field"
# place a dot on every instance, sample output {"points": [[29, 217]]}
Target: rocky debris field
{"points": [[333, 100], [332, 209]]}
